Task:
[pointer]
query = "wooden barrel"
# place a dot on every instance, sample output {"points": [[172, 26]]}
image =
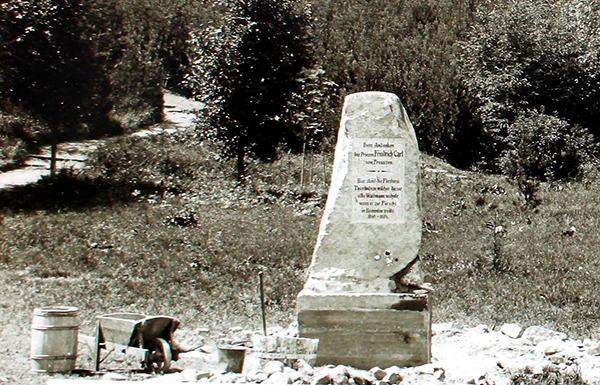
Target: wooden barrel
{"points": [[54, 339]]}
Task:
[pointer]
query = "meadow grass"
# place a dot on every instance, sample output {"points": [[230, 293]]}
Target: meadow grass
{"points": [[161, 226], [141, 241], [494, 260]]}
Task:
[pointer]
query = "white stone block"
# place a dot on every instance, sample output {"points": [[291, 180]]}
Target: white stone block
{"points": [[533, 335], [511, 330]]}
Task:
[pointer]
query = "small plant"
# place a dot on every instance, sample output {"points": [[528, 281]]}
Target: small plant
{"points": [[183, 218], [497, 233], [549, 376], [540, 147], [19, 135], [529, 188]]}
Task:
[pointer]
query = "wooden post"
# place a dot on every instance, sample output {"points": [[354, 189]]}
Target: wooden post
{"points": [[53, 150], [311, 167], [303, 164], [262, 302], [97, 350]]}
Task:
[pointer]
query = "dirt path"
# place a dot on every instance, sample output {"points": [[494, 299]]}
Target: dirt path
{"points": [[178, 111]]}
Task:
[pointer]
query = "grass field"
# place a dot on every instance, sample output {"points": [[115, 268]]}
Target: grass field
{"points": [[495, 261], [160, 226]]}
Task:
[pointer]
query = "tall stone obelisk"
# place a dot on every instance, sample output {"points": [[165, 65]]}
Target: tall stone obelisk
{"points": [[364, 298]]}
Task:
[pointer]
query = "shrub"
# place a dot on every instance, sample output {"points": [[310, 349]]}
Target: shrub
{"points": [[247, 72], [545, 148], [532, 68], [19, 135], [142, 165], [53, 67], [407, 47]]}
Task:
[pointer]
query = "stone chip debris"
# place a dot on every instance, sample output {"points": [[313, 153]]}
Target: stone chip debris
{"points": [[461, 355]]}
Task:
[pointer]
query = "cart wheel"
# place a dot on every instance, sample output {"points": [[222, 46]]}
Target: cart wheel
{"points": [[164, 349]]}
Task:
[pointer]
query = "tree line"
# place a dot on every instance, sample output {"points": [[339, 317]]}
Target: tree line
{"points": [[503, 86], [76, 69]]}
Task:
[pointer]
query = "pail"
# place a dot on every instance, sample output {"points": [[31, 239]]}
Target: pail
{"points": [[233, 357], [286, 349], [54, 339]]}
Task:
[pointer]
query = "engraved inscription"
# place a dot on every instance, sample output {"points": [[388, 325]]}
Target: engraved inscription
{"points": [[377, 172]]}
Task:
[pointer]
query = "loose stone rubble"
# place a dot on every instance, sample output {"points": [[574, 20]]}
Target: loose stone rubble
{"points": [[461, 355]]}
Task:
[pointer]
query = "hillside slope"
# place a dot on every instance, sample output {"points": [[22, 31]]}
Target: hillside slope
{"points": [[189, 242]]}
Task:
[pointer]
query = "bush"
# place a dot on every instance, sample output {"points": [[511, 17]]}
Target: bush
{"points": [[64, 190], [247, 71], [19, 135], [407, 47], [532, 68], [90, 68], [142, 165], [126, 36], [53, 67], [546, 148]]}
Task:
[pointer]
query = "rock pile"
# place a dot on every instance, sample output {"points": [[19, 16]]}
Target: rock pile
{"points": [[480, 355], [276, 373], [461, 355]]}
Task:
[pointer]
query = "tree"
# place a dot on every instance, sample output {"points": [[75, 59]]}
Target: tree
{"points": [[532, 67], [89, 68], [54, 71], [409, 48], [247, 72]]}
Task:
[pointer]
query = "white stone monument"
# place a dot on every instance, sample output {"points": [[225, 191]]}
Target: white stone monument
{"points": [[364, 298]]}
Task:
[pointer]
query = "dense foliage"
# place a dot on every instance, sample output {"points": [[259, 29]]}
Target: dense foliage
{"points": [[532, 69], [407, 47], [55, 74], [247, 71], [506, 86], [49, 72], [78, 69]]}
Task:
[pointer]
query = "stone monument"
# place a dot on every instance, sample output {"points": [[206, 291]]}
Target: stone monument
{"points": [[364, 298]]}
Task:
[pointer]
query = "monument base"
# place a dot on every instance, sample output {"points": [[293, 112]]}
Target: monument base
{"points": [[367, 330]]}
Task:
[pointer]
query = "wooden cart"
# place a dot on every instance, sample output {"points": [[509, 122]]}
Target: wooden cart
{"points": [[149, 338]]}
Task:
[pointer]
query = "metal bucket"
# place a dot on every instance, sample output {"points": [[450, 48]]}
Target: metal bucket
{"points": [[232, 358], [54, 339]]}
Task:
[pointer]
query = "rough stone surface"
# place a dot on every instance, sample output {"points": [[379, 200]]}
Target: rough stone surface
{"points": [[256, 375], [378, 373], [536, 334], [304, 368], [511, 330], [439, 374], [273, 367], [550, 347], [230, 378], [321, 378], [278, 378], [360, 299], [371, 226], [461, 355], [392, 378], [339, 375], [292, 373], [361, 377]]}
